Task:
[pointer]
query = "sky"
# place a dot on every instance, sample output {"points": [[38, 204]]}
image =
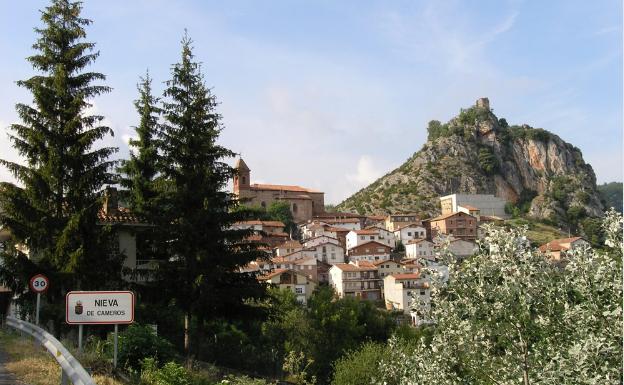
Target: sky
{"points": [[330, 94]]}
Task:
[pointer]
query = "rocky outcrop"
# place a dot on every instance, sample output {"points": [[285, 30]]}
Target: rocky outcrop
{"points": [[476, 152]]}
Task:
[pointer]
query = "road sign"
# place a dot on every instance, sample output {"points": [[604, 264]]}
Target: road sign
{"points": [[39, 283], [99, 307]]}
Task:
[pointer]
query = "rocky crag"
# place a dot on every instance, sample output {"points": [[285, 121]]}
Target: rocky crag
{"points": [[538, 173]]}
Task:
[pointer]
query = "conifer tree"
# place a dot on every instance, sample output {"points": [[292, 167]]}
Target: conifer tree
{"points": [[53, 210], [202, 272], [139, 173]]}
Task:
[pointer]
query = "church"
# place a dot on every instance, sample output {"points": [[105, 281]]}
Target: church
{"points": [[304, 202]]}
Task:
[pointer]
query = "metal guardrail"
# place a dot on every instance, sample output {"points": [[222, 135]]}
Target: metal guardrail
{"points": [[72, 369]]}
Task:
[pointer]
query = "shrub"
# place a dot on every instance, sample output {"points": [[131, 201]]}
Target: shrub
{"points": [[488, 161], [140, 341], [360, 366], [170, 374]]}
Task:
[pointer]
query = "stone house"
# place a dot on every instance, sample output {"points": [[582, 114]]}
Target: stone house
{"points": [[459, 225], [304, 203]]}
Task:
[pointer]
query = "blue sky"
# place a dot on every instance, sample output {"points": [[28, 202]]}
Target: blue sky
{"points": [[333, 94]]}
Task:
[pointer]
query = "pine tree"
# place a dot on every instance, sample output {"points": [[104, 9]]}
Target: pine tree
{"points": [[205, 253], [139, 173], [54, 209]]}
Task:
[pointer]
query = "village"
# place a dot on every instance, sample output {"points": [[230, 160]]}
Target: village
{"points": [[384, 259]]}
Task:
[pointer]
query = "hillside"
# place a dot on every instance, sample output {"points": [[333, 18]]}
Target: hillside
{"points": [[476, 152], [611, 194]]}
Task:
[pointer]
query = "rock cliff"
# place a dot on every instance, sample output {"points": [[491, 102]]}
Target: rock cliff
{"points": [[538, 173]]}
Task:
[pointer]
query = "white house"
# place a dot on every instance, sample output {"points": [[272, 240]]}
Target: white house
{"points": [[419, 248], [357, 237], [301, 285], [409, 232], [405, 291], [353, 280], [287, 247], [312, 242], [328, 252]]}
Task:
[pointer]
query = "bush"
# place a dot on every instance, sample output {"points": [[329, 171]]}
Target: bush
{"points": [[360, 366], [170, 374], [140, 341], [488, 161]]}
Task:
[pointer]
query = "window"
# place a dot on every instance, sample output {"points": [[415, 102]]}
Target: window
{"points": [[362, 237], [422, 292], [294, 207], [299, 290], [244, 180], [409, 234], [263, 204], [372, 237]]}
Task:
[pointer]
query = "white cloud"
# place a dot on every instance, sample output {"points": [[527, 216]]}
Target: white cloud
{"points": [[366, 172]]}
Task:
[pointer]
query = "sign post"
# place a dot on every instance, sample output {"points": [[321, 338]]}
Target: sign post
{"points": [[39, 284], [99, 308]]}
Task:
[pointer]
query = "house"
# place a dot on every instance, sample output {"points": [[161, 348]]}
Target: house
{"points": [[338, 233], [328, 252], [408, 232], [353, 280], [304, 203], [291, 280], [406, 291], [420, 248], [557, 248], [369, 251], [485, 204], [357, 237], [396, 221], [345, 223], [459, 224], [321, 239], [287, 247], [387, 267], [462, 249]]}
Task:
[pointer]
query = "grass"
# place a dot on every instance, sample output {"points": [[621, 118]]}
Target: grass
{"points": [[538, 233], [32, 364]]}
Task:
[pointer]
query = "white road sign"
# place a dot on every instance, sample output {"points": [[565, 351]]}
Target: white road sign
{"points": [[39, 283], [99, 307]]}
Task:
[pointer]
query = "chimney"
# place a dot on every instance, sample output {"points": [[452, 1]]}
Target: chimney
{"points": [[110, 201]]}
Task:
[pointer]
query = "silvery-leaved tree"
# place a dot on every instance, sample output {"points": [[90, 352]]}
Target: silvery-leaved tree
{"points": [[509, 315]]}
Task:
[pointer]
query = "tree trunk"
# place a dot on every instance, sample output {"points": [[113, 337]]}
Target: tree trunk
{"points": [[187, 335]]}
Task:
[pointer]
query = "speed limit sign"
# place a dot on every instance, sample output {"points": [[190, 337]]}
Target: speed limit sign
{"points": [[39, 283]]}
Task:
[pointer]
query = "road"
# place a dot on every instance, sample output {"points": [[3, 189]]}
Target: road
{"points": [[6, 378]]}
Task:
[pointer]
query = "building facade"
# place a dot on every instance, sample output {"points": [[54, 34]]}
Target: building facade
{"points": [[304, 203]]}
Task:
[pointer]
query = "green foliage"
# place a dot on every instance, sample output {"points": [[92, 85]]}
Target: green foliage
{"points": [[488, 161], [611, 194], [296, 365], [560, 187], [242, 380], [53, 209], [140, 341], [169, 374], [139, 172], [502, 122], [592, 231], [360, 366], [527, 132], [511, 315], [196, 210]]}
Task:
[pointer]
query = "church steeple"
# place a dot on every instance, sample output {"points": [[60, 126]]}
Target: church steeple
{"points": [[242, 177]]}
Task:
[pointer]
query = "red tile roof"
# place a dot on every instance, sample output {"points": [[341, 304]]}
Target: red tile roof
{"points": [[402, 276], [557, 244], [272, 274], [377, 263], [279, 187], [341, 220], [337, 229], [375, 244], [351, 267], [445, 216], [414, 241], [366, 232], [121, 215]]}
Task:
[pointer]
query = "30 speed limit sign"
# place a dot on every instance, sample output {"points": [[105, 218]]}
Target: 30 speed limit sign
{"points": [[39, 283]]}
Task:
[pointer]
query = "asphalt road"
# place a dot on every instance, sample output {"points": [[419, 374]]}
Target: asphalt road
{"points": [[6, 378]]}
